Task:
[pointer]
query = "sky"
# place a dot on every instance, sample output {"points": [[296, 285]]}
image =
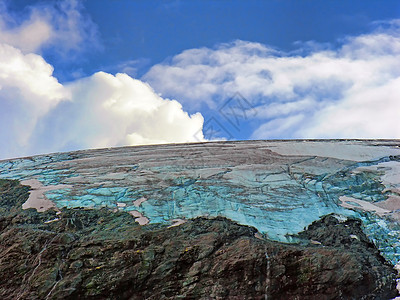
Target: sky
{"points": [[104, 73]]}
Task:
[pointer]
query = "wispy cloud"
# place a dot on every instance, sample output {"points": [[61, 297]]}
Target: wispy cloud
{"points": [[57, 25], [351, 91], [131, 67]]}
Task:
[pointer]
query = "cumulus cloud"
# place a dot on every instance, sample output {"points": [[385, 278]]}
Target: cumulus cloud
{"points": [[349, 92], [106, 110], [28, 91], [38, 114]]}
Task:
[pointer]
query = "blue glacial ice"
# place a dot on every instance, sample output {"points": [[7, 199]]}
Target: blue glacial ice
{"points": [[277, 187]]}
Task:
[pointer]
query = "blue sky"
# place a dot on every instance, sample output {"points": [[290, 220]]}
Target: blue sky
{"points": [[87, 74]]}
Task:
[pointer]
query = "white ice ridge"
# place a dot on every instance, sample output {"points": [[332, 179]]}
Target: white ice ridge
{"points": [[356, 151]]}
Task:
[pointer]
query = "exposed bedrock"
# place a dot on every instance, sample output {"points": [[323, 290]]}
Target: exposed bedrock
{"points": [[99, 254]]}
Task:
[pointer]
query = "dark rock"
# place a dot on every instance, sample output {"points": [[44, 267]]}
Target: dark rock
{"points": [[99, 254]]}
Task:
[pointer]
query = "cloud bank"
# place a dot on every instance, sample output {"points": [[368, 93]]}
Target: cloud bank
{"points": [[316, 92], [351, 91], [38, 114]]}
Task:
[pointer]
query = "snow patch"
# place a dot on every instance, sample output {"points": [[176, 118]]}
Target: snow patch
{"points": [[37, 199]]}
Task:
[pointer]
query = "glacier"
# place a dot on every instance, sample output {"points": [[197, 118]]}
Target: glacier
{"points": [[278, 187]]}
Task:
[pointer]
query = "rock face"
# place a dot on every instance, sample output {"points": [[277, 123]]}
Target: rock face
{"points": [[75, 253]]}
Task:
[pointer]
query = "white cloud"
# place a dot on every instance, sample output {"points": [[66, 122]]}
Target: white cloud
{"points": [[107, 110], [369, 112], [277, 127], [130, 67], [28, 91], [59, 25], [352, 91], [29, 36], [38, 114]]}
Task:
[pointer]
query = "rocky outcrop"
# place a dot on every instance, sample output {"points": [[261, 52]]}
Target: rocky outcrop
{"points": [[100, 254]]}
